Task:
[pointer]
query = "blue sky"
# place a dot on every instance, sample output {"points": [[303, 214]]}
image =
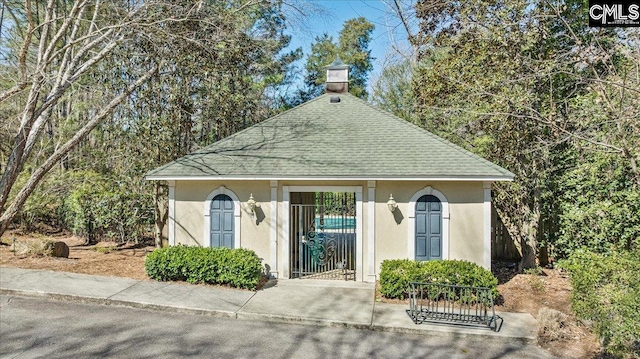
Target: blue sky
{"points": [[336, 12]]}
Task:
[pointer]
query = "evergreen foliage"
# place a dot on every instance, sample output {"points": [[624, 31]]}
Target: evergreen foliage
{"points": [[352, 48], [392, 91], [606, 288], [529, 86], [395, 275], [240, 268], [599, 206], [97, 209]]}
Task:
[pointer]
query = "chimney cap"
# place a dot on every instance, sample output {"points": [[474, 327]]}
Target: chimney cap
{"points": [[337, 64]]}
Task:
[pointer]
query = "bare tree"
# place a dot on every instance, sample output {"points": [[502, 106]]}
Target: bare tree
{"points": [[402, 15], [58, 47]]}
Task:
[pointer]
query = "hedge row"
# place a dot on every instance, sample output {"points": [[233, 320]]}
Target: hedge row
{"points": [[395, 275], [606, 291], [239, 268]]}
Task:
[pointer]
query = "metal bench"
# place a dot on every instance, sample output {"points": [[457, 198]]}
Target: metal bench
{"points": [[454, 304]]}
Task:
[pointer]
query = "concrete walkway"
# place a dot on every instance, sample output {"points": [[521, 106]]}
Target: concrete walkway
{"points": [[316, 302]]}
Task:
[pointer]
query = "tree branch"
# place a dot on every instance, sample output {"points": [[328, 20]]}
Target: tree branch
{"points": [[41, 171]]}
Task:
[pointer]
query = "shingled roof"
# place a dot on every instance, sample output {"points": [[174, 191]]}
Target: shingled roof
{"points": [[321, 139]]}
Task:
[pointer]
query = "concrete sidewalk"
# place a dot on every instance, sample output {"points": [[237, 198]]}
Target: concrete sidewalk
{"points": [[316, 302]]}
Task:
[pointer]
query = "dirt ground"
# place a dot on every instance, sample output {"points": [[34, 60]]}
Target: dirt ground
{"points": [[524, 293], [529, 293], [104, 258]]}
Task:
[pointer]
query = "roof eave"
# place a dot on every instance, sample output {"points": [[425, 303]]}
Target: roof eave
{"points": [[507, 178]]}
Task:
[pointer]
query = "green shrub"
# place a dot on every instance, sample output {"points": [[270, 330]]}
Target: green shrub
{"points": [[239, 268], [599, 206], [45, 205], [395, 275], [606, 291], [103, 209]]}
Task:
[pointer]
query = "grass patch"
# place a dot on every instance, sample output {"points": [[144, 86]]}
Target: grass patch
{"points": [[104, 250], [553, 326]]}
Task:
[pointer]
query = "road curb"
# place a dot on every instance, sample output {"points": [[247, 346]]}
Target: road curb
{"points": [[122, 303], [266, 317], [450, 334], [277, 318]]}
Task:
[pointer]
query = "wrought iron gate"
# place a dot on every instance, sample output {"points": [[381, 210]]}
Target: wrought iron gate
{"points": [[323, 236]]}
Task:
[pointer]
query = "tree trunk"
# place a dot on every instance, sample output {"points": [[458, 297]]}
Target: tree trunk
{"points": [[17, 158], [543, 256], [529, 240], [24, 193], [529, 254], [162, 214], [523, 229]]}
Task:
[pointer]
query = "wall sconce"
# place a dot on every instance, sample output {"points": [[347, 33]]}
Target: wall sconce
{"points": [[392, 204], [251, 203]]}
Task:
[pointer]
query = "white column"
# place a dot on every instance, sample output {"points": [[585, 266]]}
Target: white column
{"points": [[487, 224], [285, 235], [274, 229], [172, 213], [371, 221], [359, 237]]}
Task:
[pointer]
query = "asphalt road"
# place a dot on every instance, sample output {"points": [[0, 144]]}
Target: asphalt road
{"points": [[46, 328]]}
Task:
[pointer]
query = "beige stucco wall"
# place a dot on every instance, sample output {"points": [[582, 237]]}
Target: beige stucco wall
{"points": [[392, 233], [466, 220], [190, 198]]}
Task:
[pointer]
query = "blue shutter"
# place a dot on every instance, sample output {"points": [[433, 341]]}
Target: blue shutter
{"points": [[428, 231], [222, 221]]}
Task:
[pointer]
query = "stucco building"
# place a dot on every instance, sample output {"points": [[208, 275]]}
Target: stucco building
{"points": [[332, 188]]}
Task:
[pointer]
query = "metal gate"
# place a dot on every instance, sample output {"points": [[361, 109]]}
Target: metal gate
{"points": [[323, 235]]}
